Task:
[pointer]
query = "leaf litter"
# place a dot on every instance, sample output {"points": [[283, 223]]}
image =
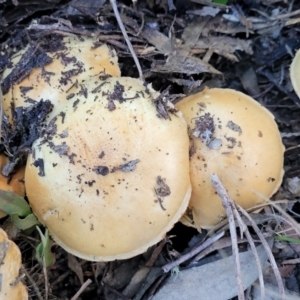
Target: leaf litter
{"points": [[191, 44]]}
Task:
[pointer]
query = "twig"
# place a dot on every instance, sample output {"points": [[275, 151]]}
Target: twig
{"points": [[235, 251], [155, 253], [32, 282], [236, 207], [166, 268], [221, 244], [82, 288], [114, 291], [121, 25], [281, 88], [156, 285], [253, 248], [267, 249], [291, 261], [46, 278]]}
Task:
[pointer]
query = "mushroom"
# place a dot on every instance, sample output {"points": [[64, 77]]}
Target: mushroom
{"points": [[11, 288], [295, 73], [113, 176], [14, 184], [235, 137], [72, 61]]}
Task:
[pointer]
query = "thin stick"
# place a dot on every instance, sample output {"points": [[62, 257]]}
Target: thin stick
{"points": [[254, 251], [168, 267], [245, 229], [267, 249], [82, 288], [235, 251], [46, 278], [32, 282], [219, 245], [121, 25], [114, 291]]}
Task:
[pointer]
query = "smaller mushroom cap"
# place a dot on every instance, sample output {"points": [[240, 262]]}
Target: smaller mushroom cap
{"points": [[295, 73], [16, 183], [112, 177], [73, 61], [10, 264], [236, 138]]}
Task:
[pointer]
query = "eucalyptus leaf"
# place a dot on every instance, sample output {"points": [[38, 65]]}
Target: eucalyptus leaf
{"points": [[25, 223], [43, 249], [10, 203]]}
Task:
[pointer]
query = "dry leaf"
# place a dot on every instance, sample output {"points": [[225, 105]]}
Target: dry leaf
{"points": [[205, 11], [225, 44], [185, 65], [215, 280], [75, 266]]}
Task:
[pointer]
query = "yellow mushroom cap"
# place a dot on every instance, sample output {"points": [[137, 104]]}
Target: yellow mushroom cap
{"points": [[78, 59], [16, 183], [116, 176], [11, 288], [236, 138], [295, 73]]}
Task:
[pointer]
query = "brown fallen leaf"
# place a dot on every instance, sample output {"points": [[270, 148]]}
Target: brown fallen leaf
{"points": [[187, 65], [180, 59], [75, 266], [225, 44]]}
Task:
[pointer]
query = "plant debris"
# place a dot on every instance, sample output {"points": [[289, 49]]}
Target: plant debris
{"points": [[193, 45]]}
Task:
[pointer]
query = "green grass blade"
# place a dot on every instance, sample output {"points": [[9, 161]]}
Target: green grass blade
{"points": [[287, 239]]}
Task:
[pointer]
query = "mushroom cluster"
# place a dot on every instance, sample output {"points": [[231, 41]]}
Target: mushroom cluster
{"points": [[11, 288], [236, 138], [110, 173], [107, 168]]}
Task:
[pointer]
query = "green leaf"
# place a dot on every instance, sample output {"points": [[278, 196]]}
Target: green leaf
{"points": [[287, 239], [222, 2], [43, 249], [11, 204], [25, 223]]}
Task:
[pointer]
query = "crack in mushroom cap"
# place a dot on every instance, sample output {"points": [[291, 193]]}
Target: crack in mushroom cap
{"points": [[60, 80], [121, 178], [237, 139], [10, 264]]}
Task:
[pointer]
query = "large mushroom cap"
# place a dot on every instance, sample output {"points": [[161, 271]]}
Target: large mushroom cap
{"points": [[295, 73], [10, 264], [113, 177], [73, 59], [237, 139], [14, 184]]}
